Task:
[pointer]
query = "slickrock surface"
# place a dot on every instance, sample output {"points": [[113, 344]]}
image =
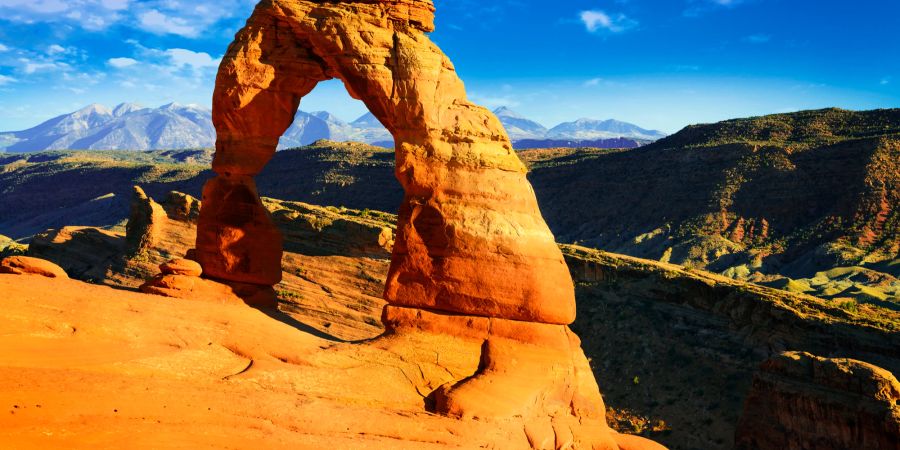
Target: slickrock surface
{"points": [[801, 401], [333, 270], [20, 265], [111, 368]]}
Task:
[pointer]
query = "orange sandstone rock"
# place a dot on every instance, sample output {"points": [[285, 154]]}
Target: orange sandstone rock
{"points": [[470, 239], [180, 278], [26, 265], [144, 223], [181, 267]]}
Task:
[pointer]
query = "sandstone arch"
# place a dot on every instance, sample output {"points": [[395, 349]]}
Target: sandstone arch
{"points": [[473, 257], [471, 238]]}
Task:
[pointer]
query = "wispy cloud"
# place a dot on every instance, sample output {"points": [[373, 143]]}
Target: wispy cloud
{"points": [[885, 81], [597, 20], [181, 58], [697, 8], [159, 23], [604, 82], [30, 66], [4, 80], [121, 63], [757, 38], [178, 17], [3, 48]]}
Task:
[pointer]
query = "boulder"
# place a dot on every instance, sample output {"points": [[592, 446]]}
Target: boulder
{"points": [[26, 265], [181, 267]]}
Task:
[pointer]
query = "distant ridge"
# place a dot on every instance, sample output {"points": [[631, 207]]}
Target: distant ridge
{"points": [[525, 133], [130, 126], [618, 142]]}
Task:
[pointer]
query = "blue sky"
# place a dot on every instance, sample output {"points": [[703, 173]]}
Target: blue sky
{"points": [[661, 64]]}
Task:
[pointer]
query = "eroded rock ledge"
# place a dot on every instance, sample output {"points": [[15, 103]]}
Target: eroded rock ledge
{"points": [[801, 401]]}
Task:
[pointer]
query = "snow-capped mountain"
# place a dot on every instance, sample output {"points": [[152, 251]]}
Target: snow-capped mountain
{"points": [[582, 132], [369, 129], [310, 127], [126, 127], [134, 127], [518, 127], [588, 129], [173, 126]]}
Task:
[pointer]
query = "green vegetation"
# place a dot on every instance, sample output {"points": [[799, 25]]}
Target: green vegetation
{"points": [[802, 129], [9, 247]]}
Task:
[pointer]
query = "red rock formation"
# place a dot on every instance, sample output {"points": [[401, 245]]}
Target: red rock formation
{"points": [[144, 223], [468, 205], [180, 278], [181, 267], [800, 401], [473, 258], [26, 265]]}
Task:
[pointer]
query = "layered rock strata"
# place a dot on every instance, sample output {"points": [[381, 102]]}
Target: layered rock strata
{"points": [[801, 401]]}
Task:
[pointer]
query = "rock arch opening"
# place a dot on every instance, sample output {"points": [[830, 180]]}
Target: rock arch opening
{"points": [[328, 112]]}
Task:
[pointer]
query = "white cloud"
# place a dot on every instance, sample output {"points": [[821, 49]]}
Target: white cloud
{"points": [[115, 5], [36, 6], [4, 80], [55, 49], [885, 81], [121, 63], [3, 48], [596, 20], [159, 23], [31, 66], [180, 58], [87, 14], [179, 17], [593, 82]]}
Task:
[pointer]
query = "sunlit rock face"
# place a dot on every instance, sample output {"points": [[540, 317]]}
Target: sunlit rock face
{"points": [[472, 259], [471, 238]]}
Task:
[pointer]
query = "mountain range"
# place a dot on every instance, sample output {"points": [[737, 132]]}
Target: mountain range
{"points": [[173, 126]]}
